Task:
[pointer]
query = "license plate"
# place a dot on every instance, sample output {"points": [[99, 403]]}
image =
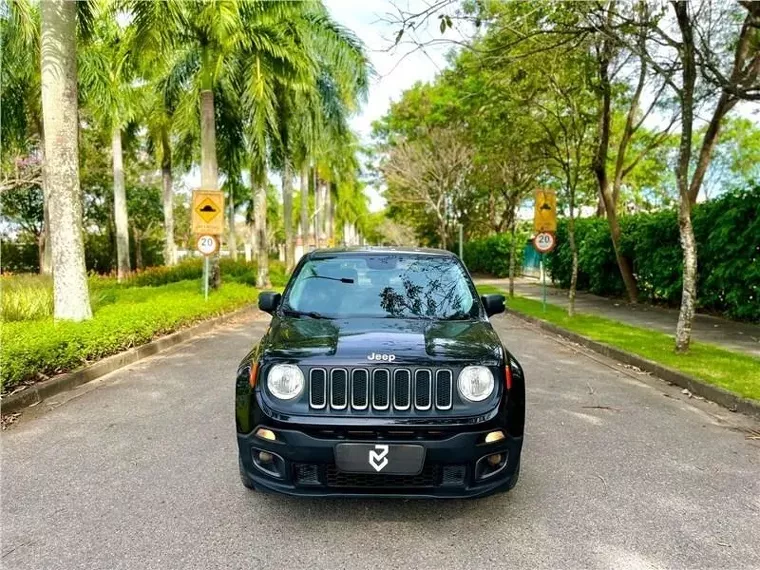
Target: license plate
{"points": [[388, 459]]}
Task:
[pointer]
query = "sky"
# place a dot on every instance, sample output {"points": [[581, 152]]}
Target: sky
{"points": [[395, 69]]}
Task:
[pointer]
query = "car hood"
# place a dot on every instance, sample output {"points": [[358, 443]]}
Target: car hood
{"points": [[409, 340]]}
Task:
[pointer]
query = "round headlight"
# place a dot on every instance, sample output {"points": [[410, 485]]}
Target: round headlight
{"points": [[475, 383], [285, 381]]}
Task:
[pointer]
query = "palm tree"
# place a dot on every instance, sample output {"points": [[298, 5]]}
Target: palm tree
{"points": [[60, 112], [313, 113], [106, 74]]}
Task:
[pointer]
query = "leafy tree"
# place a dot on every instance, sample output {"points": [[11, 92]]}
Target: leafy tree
{"points": [[106, 75]]}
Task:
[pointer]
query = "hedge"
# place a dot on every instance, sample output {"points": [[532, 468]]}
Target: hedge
{"points": [[33, 349], [491, 255], [727, 231]]}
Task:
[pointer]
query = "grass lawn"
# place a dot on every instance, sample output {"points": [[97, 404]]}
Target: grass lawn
{"points": [[736, 372], [124, 316]]}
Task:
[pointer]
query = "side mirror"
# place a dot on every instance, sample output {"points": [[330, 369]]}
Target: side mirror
{"points": [[269, 301], [494, 304]]}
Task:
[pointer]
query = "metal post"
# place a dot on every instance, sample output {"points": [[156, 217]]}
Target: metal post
{"points": [[205, 277], [543, 279], [461, 233]]}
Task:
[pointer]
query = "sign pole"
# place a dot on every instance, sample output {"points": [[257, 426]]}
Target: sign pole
{"points": [[205, 278], [543, 279]]}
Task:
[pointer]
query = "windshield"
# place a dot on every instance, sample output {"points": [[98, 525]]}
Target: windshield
{"points": [[401, 286]]}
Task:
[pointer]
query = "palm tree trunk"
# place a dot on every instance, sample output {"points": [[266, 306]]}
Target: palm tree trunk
{"points": [[138, 248], [304, 207], [120, 207], [71, 297], [317, 211], [232, 245], [287, 206], [209, 173], [170, 252], [46, 257], [260, 228], [329, 212]]}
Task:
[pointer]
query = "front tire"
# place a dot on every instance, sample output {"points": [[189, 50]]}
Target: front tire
{"points": [[244, 478]]}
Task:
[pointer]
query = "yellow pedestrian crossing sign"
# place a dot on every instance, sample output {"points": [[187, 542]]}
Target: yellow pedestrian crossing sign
{"points": [[545, 212], [208, 212]]}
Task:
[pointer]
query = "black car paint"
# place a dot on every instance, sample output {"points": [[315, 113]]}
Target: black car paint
{"points": [[307, 340]]}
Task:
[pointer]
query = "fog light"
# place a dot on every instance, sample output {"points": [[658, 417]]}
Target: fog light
{"points": [[495, 436], [265, 457], [264, 433], [494, 459]]}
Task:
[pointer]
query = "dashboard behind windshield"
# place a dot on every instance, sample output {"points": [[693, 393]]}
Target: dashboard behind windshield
{"points": [[397, 286]]}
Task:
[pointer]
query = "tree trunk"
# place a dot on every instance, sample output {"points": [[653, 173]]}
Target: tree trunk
{"points": [[287, 207], [512, 255], [686, 230], [329, 215], [71, 297], [260, 225], [304, 207], [574, 252], [170, 251], [46, 257], [209, 173], [138, 248], [120, 207], [317, 212], [232, 245], [689, 290]]}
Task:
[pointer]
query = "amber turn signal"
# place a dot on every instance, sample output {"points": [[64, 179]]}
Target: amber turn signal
{"points": [[495, 436], [254, 374], [264, 433]]}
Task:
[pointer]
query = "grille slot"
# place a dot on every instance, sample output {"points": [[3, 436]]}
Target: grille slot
{"points": [[422, 388], [359, 389], [381, 389], [338, 388], [429, 477], [453, 475], [443, 389], [318, 388], [402, 388]]}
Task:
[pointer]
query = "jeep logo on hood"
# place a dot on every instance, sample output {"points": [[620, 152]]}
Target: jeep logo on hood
{"points": [[378, 356]]}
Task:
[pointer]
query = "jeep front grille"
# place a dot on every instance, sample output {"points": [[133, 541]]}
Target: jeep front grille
{"points": [[381, 389]]}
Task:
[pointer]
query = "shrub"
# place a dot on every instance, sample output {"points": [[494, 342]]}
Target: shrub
{"points": [[136, 315], [727, 231], [491, 255]]}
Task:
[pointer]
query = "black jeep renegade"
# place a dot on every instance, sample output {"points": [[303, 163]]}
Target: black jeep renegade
{"points": [[380, 375]]}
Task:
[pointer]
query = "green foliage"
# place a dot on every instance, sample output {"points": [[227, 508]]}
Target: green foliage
{"points": [[733, 371], [134, 316], [728, 241], [26, 297], [491, 255]]}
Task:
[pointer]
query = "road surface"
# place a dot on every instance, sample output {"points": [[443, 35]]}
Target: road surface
{"points": [[619, 470]]}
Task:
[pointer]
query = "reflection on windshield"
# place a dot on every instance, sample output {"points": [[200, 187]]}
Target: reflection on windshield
{"points": [[405, 286]]}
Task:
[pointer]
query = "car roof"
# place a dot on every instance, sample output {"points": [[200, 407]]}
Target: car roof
{"points": [[377, 250]]}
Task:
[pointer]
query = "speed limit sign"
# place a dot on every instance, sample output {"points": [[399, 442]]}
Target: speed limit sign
{"points": [[207, 244], [544, 242]]}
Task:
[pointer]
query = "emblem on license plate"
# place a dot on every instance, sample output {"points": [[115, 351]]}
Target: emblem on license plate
{"points": [[377, 457]]}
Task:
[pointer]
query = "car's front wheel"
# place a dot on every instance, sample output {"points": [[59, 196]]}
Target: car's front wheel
{"points": [[244, 478]]}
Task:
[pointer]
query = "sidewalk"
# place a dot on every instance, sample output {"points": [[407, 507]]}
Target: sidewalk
{"points": [[741, 337]]}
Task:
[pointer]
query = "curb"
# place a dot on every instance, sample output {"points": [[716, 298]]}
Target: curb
{"points": [[36, 393], [713, 393]]}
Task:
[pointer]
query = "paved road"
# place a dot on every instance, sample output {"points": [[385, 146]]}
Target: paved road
{"points": [[619, 471], [733, 335]]}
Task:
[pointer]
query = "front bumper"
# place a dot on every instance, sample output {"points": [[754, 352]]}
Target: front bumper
{"points": [[305, 463]]}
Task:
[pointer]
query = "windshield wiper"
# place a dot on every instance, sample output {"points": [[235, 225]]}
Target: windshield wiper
{"points": [[458, 316], [341, 279], [311, 314]]}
